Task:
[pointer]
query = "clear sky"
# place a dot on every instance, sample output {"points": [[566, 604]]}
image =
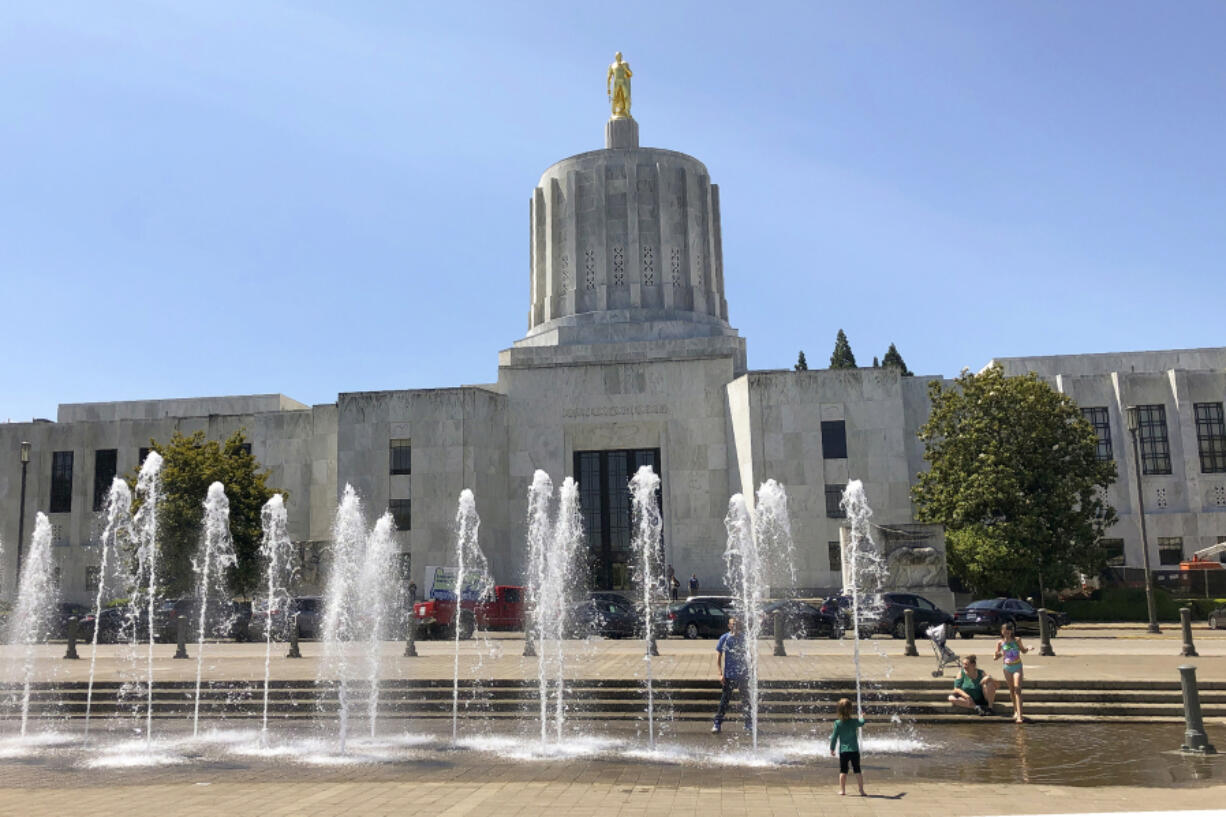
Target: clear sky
{"points": [[206, 198]]}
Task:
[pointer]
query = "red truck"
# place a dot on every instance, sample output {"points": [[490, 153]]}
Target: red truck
{"points": [[503, 609]]}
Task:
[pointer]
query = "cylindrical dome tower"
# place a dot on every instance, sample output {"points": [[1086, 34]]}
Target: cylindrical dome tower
{"points": [[625, 247]]}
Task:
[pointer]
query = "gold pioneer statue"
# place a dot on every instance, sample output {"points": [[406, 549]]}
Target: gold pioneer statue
{"points": [[617, 84]]}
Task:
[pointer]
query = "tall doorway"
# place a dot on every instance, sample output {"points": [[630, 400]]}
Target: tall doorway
{"points": [[604, 495]]}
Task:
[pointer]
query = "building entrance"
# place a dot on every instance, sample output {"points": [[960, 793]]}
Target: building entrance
{"points": [[604, 495]]}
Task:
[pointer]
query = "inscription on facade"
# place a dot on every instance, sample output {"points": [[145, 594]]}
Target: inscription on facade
{"points": [[614, 411]]}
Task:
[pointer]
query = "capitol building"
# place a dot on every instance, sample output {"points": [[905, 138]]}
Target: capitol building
{"points": [[630, 357]]}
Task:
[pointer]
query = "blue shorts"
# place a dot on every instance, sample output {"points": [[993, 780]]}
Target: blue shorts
{"points": [[1012, 669]]}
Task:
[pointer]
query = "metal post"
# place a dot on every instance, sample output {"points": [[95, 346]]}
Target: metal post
{"points": [[71, 653], [1133, 423], [1185, 621], [908, 618], [652, 649], [181, 636], [529, 647], [778, 622], [1045, 633], [21, 512], [410, 644], [293, 638], [1194, 737]]}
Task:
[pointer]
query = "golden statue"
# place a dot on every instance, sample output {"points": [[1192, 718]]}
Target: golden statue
{"points": [[617, 85]]}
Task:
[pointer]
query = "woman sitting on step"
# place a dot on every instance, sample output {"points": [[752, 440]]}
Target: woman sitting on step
{"points": [[973, 688]]}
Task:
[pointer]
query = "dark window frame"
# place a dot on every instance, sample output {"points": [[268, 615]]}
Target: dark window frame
{"points": [[104, 473], [1100, 419], [400, 457], [1154, 439], [1167, 554], [1211, 437], [61, 482], [1114, 549], [402, 513], [834, 496], [834, 554], [604, 499], [834, 439]]}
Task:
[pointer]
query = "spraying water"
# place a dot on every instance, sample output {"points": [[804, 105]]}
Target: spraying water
{"points": [[348, 544], [378, 583], [567, 536], [281, 570], [31, 619], [539, 496], [118, 528], [648, 530], [149, 489], [863, 569], [472, 579], [213, 559]]}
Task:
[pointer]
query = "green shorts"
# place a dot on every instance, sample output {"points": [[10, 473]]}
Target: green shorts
{"points": [[1012, 669]]}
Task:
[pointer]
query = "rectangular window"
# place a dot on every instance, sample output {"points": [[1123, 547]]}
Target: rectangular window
{"points": [[1211, 438], [836, 556], [1155, 446], [604, 497], [141, 453], [401, 510], [105, 467], [1170, 550], [93, 575], [245, 448], [834, 440], [61, 482], [834, 495], [1114, 549], [1098, 417], [401, 457]]}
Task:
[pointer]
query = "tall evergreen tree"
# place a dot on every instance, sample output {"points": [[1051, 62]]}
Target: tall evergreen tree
{"points": [[842, 358], [892, 358], [876, 362], [801, 365]]}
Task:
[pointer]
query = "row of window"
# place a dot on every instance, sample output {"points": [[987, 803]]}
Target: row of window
{"points": [[1154, 442]]}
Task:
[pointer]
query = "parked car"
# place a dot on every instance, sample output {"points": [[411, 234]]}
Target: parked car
{"points": [[985, 617], [893, 611], [604, 618], [307, 609], [167, 614], [840, 607], [114, 627], [66, 610], [1217, 619], [800, 620], [501, 609], [697, 619]]}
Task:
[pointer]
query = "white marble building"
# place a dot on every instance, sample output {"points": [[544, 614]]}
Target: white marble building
{"points": [[629, 359]]}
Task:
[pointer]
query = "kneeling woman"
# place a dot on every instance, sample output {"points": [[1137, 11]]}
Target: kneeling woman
{"points": [[973, 688]]}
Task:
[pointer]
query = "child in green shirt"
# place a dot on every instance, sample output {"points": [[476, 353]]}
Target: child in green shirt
{"points": [[846, 737]]}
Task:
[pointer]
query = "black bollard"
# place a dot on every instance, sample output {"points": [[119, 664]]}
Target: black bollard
{"points": [[410, 644], [529, 647], [294, 652], [1194, 737], [652, 649], [908, 617], [181, 637], [778, 617], [1045, 633], [1185, 619], [71, 653]]}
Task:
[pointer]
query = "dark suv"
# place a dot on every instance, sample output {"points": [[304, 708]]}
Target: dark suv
{"points": [[986, 617], [895, 605]]}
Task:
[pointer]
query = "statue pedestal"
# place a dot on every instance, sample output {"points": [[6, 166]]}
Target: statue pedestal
{"points": [[621, 133]]}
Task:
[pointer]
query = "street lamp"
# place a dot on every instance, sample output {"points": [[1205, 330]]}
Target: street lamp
{"points": [[21, 509], [1133, 415]]}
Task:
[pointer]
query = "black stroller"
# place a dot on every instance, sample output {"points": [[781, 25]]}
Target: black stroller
{"points": [[946, 657]]}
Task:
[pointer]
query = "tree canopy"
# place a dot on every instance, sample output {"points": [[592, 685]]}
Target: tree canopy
{"points": [[801, 364], [1015, 479], [892, 358], [191, 464], [842, 358]]}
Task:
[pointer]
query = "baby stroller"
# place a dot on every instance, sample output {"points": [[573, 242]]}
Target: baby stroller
{"points": [[946, 657]]}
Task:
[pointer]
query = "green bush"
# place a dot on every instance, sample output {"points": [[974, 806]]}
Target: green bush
{"points": [[1121, 604], [1201, 608]]}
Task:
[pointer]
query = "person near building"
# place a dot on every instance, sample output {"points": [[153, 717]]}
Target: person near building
{"points": [[973, 688], [693, 584], [732, 664]]}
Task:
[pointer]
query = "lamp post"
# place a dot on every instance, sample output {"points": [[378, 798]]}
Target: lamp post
{"points": [[1132, 413], [21, 509]]}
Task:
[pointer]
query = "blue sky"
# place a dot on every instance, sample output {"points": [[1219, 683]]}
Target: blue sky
{"points": [[234, 197]]}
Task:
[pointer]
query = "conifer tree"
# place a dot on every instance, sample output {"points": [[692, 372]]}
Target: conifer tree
{"points": [[842, 358], [892, 358], [801, 365], [876, 362]]}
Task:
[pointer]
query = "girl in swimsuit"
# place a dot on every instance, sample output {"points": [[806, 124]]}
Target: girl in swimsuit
{"points": [[1011, 649]]}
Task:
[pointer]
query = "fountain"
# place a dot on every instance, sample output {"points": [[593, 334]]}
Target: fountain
{"points": [[339, 626], [378, 584], [281, 572], [214, 558], [648, 529], [568, 534], [539, 495], [118, 528], [149, 491], [755, 544], [31, 619], [864, 569], [472, 580]]}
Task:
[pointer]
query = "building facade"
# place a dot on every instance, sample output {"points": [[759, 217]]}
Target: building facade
{"points": [[629, 359]]}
